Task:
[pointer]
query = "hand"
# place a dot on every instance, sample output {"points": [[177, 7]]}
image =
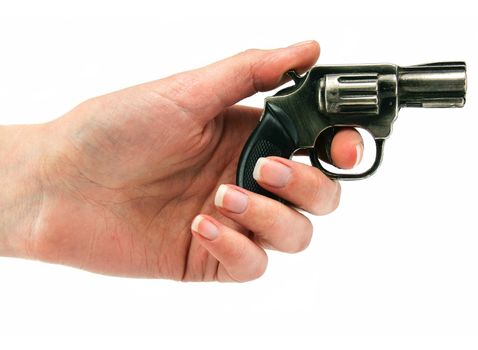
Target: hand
{"points": [[119, 180]]}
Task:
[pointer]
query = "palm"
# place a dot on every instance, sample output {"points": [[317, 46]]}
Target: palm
{"points": [[135, 185]]}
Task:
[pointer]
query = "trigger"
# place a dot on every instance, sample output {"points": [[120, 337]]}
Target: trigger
{"points": [[323, 145]]}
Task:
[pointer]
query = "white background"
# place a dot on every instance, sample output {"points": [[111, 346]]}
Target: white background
{"points": [[395, 267]]}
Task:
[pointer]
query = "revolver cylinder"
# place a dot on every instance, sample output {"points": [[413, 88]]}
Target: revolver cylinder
{"points": [[356, 93]]}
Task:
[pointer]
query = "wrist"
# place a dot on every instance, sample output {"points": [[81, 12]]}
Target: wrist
{"points": [[22, 149]]}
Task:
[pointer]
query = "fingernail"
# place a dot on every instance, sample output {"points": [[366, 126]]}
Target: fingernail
{"points": [[205, 227], [271, 172], [302, 43], [231, 199], [358, 154]]}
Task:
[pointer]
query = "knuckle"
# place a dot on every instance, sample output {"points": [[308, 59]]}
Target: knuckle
{"points": [[255, 270], [251, 52], [258, 269], [324, 198], [332, 201], [336, 197], [253, 58], [302, 239], [276, 230], [235, 253], [315, 199], [271, 221]]}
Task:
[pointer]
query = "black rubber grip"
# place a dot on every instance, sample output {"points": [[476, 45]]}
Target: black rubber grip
{"points": [[269, 138]]}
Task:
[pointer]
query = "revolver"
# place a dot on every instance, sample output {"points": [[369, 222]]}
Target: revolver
{"points": [[327, 97]]}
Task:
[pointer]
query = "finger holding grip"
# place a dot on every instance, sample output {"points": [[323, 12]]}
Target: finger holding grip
{"points": [[270, 138]]}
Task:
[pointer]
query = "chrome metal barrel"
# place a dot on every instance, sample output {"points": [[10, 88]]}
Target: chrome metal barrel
{"points": [[432, 85]]}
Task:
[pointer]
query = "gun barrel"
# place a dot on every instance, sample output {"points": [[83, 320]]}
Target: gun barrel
{"points": [[432, 85]]}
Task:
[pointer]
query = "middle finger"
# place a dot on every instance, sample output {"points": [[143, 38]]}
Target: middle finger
{"points": [[274, 224]]}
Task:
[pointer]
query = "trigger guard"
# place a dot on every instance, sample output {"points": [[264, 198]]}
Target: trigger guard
{"points": [[314, 160]]}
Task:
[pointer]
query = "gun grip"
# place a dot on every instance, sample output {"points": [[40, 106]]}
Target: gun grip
{"points": [[269, 138]]}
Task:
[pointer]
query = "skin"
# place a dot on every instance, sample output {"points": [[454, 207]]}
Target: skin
{"points": [[113, 186]]}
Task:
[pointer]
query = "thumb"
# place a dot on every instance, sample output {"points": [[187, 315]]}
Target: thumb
{"points": [[207, 91]]}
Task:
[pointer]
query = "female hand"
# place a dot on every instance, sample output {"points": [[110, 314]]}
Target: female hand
{"points": [[116, 185]]}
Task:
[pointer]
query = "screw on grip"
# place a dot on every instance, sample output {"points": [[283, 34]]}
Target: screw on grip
{"points": [[270, 138]]}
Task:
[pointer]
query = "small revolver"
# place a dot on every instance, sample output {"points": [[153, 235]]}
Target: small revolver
{"points": [[328, 97]]}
